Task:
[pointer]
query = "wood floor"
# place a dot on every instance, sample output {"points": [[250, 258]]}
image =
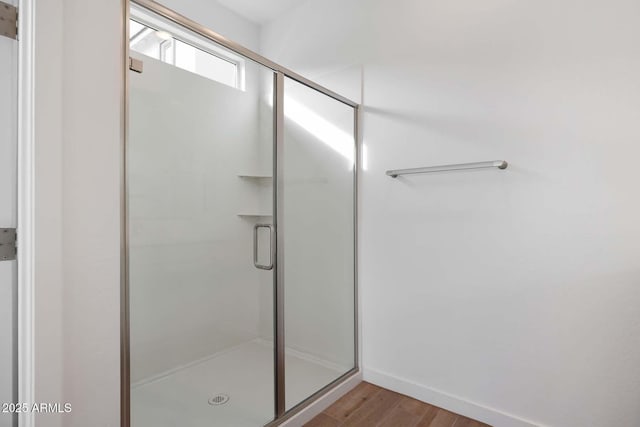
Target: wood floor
{"points": [[368, 405]]}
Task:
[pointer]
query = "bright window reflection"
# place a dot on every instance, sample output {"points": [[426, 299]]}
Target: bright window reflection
{"points": [[339, 140]]}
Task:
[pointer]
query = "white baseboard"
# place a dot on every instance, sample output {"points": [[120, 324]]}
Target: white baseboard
{"points": [[308, 413], [444, 400]]}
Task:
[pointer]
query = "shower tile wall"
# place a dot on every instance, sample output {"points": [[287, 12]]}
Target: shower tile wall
{"points": [[194, 290]]}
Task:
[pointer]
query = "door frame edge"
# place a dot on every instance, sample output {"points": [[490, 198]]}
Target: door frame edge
{"points": [[25, 392]]}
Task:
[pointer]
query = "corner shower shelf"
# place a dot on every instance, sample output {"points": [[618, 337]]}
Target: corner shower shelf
{"points": [[254, 215], [254, 176]]}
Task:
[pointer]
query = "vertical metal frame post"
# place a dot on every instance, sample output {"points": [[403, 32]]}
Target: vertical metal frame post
{"points": [[278, 210], [125, 349]]}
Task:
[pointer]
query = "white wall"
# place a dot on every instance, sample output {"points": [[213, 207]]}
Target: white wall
{"points": [[78, 140], [218, 18], [48, 276], [503, 295], [91, 159]]}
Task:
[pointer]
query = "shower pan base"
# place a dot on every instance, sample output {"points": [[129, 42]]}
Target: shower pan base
{"points": [[243, 373]]}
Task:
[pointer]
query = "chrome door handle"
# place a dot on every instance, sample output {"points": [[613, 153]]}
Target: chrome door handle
{"points": [[255, 246]]}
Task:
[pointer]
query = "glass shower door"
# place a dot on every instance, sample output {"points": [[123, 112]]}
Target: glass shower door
{"points": [[317, 186], [199, 165], [231, 321]]}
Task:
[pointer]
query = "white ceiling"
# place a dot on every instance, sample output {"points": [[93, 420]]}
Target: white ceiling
{"points": [[260, 11]]}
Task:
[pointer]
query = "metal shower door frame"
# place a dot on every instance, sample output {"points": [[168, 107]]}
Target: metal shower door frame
{"points": [[280, 72]]}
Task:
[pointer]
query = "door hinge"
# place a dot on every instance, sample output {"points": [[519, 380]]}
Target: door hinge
{"points": [[8, 20], [135, 65], [8, 244]]}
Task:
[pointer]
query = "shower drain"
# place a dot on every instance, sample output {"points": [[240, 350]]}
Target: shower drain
{"points": [[219, 399]]}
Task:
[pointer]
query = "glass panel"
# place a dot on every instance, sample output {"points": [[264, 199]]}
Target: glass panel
{"points": [[207, 65], [163, 45], [199, 166], [318, 178]]}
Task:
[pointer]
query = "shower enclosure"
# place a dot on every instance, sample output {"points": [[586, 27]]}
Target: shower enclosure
{"points": [[239, 288]]}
